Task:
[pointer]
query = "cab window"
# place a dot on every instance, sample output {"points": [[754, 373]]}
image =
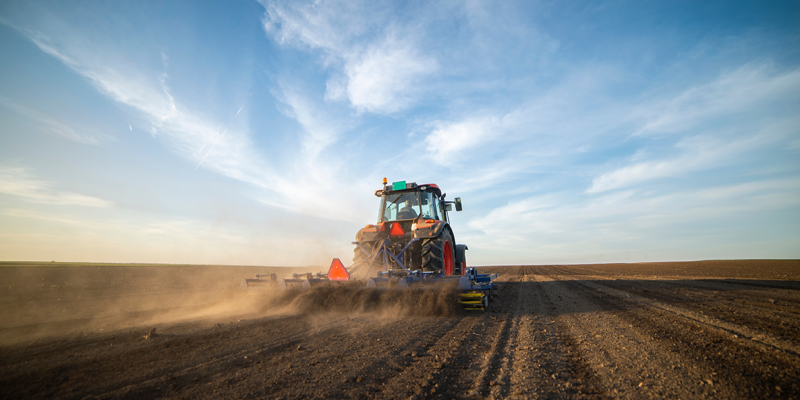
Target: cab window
{"points": [[400, 206], [428, 207]]}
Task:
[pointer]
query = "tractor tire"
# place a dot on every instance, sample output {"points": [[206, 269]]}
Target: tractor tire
{"points": [[438, 254], [360, 268], [359, 256]]}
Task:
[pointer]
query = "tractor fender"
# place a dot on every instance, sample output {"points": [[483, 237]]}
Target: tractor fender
{"points": [[461, 253], [430, 230], [461, 258], [370, 233], [362, 236]]}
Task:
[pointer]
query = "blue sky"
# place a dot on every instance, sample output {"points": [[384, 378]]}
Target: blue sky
{"points": [[256, 132]]}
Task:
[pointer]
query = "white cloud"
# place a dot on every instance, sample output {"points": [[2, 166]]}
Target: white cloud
{"points": [[321, 128], [564, 227], [377, 64], [302, 186], [750, 90], [738, 113], [698, 153], [320, 24], [185, 132], [386, 78], [447, 140], [319, 171], [562, 120], [644, 171], [16, 181], [719, 147]]}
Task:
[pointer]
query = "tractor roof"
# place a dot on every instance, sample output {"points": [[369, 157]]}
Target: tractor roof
{"points": [[411, 186], [434, 188]]}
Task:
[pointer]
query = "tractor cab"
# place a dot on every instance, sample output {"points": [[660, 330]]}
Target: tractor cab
{"points": [[411, 202]]}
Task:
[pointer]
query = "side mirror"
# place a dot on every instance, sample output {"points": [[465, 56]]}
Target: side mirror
{"points": [[458, 203]]}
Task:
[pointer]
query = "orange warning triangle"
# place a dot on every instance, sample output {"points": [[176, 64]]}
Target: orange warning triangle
{"points": [[397, 230], [337, 271]]}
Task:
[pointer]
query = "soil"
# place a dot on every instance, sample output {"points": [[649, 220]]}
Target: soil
{"points": [[706, 329]]}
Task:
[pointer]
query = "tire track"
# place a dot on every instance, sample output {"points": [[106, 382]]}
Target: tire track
{"points": [[492, 373], [430, 373], [547, 362], [627, 361], [736, 366], [720, 325], [764, 311], [449, 368]]}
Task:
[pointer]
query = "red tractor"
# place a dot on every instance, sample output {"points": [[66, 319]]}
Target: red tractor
{"points": [[413, 233]]}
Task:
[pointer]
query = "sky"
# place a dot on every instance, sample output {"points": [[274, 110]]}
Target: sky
{"points": [[256, 132]]}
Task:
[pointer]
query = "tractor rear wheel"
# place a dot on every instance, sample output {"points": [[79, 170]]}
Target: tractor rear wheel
{"points": [[360, 267], [359, 256], [438, 254]]}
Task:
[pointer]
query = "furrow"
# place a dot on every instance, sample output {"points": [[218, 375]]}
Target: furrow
{"points": [[715, 323]]}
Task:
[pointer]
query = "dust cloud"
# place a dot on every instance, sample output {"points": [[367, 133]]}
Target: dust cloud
{"points": [[39, 300], [425, 301], [55, 299]]}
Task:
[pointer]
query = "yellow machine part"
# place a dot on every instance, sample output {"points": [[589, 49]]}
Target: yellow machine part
{"points": [[472, 300]]}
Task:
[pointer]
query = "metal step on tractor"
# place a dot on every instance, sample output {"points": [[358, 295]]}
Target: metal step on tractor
{"points": [[412, 243]]}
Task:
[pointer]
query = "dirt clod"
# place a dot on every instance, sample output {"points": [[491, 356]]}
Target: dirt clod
{"points": [[151, 334]]}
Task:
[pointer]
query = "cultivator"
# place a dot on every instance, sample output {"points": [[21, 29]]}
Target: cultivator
{"points": [[476, 288], [412, 245], [258, 283]]}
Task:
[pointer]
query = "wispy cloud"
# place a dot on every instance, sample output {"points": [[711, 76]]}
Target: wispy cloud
{"points": [[448, 140], [148, 93], [299, 186], [740, 113], [18, 182], [218, 138], [753, 89], [696, 153], [319, 168], [378, 66], [321, 128], [386, 77], [557, 226], [568, 117]]}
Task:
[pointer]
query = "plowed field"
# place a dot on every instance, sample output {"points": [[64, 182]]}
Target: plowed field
{"points": [[718, 329]]}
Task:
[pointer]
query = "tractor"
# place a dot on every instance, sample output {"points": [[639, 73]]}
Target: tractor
{"points": [[413, 232], [412, 244]]}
